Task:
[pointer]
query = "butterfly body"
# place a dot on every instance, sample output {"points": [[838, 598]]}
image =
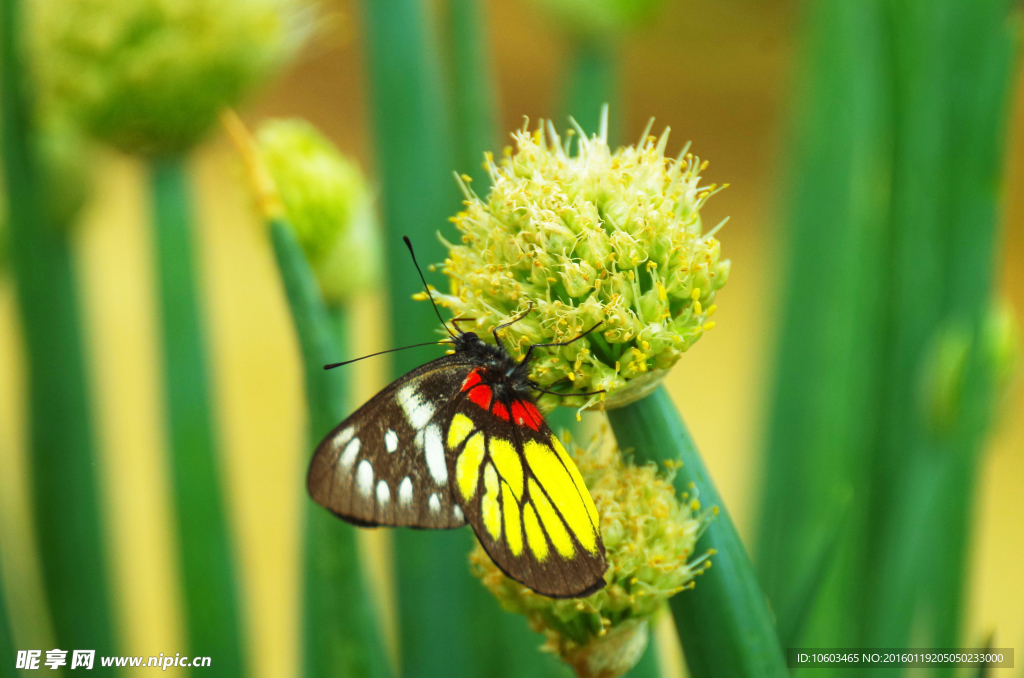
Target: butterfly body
{"points": [[459, 440]]}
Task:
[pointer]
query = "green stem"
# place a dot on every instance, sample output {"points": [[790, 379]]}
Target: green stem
{"points": [[982, 89], [592, 83], [63, 463], [7, 654], [724, 623], [340, 630], [211, 607], [648, 666], [824, 408], [435, 589], [473, 97], [952, 104]]}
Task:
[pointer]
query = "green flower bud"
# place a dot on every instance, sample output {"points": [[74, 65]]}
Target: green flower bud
{"points": [[948, 359], [150, 76], [1001, 339], [600, 18], [326, 200], [63, 155], [649, 537], [943, 378], [592, 237]]}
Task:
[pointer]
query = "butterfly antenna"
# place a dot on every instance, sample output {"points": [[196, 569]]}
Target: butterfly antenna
{"points": [[390, 350], [425, 285]]}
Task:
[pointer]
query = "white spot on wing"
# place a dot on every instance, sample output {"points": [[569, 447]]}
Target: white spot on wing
{"points": [[391, 440], [417, 411], [383, 493], [457, 512], [364, 477], [348, 457], [405, 492], [343, 437], [434, 503], [433, 447]]}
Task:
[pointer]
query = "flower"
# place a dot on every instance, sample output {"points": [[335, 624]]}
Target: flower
{"points": [[150, 76], [328, 204], [649, 536], [593, 239], [63, 156]]}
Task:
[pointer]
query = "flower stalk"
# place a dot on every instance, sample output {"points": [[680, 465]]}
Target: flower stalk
{"points": [[207, 560], [724, 623], [62, 454], [7, 656], [340, 628], [414, 142], [341, 632]]}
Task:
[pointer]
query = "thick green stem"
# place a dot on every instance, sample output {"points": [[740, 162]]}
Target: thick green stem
{"points": [[953, 67], [824, 405], [649, 665], [724, 623], [592, 83], [982, 89], [340, 630], [63, 463], [435, 589], [473, 95], [207, 564]]}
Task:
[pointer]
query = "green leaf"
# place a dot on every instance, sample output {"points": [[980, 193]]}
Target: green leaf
{"points": [[340, 629], [797, 612], [207, 561], [61, 444], [823, 413], [724, 623], [953, 70]]}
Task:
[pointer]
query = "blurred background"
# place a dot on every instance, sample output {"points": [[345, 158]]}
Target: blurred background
{"points": [[724, 74]]}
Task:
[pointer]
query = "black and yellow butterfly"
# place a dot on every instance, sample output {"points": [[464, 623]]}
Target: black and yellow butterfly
{"points": [[460, 440]]}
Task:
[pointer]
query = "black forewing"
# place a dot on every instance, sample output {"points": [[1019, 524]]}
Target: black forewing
{"points": [[381, 466]]}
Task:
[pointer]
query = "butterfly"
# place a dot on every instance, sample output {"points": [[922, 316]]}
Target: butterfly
{"points": [[460, 440]]}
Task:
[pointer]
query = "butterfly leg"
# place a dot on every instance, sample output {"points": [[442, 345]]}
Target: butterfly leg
{"points": [[559, 343], [566, 395], [511, 322]]}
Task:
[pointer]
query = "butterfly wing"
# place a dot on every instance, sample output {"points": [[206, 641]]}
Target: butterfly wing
{"points": [[385, 464], [522, 494]]}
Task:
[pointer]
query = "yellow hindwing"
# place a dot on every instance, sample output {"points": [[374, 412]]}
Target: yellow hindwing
{"points": [[467, 466], [568, 500]]}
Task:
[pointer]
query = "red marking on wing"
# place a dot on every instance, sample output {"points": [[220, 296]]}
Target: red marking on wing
{"points": [[472, 379], [532, 410], [525, 414], [500, 411], [481, 395]]}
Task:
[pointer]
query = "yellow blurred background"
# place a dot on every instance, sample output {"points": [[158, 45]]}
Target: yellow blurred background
{"points": [[729, 91]]}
